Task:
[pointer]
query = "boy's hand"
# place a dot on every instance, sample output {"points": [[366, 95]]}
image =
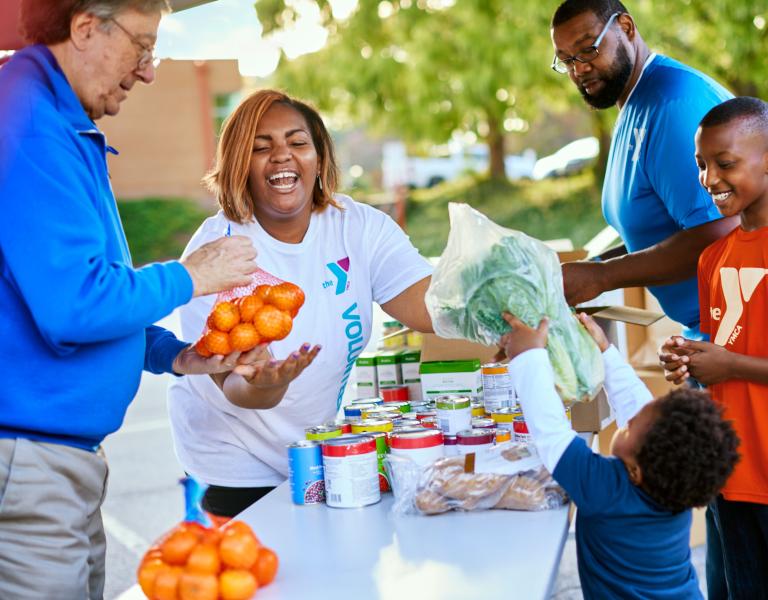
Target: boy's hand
{"points": [[521, 337], [595, 331], [674, 357], [708, 362]]}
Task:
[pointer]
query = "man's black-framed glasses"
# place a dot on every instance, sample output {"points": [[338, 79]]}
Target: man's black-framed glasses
{"points": [[146, 53], [587, 55]]}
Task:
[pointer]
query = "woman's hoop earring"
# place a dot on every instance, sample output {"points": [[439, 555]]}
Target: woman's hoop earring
{"points": [[319, 182]]}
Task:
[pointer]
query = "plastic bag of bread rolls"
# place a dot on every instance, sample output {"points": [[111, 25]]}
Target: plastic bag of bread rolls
{"points": [[508, 477]]}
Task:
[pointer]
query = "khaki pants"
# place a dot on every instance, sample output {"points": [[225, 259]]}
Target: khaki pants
{"points": [[52, 543]]}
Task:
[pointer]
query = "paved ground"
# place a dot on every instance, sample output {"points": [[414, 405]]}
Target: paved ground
{"points": [[144, 499]]}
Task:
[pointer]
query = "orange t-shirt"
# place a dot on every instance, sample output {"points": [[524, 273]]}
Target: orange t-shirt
{"points": [[733, 299]]}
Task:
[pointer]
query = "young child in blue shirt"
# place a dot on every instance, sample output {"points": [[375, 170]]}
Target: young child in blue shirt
{"points": [[669, 455]]}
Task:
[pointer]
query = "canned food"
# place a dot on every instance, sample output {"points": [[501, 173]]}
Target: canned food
{"points": [[503, 436], [474, 440], [423, 414], [305, 472], [454, 413], [423, 447], [409, 423], [344, 424], [450, 444], [382, 412], [498, 391], [505, 417], [351, 471], [521, 430], [430, 422], [322, 432], [382, 449], [395, 393], [367, 425], [355, 411], [420, 406], [371, 400], [478, 410], [403, 407], [484, 423]]}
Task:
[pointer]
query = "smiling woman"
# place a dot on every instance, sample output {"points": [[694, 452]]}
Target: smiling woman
{"points": [[275, 180]]}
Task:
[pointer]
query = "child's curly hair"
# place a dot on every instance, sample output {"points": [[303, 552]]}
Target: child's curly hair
{"points": [[689, 452]]}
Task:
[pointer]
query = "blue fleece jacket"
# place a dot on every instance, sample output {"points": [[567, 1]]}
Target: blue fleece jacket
{"points": [[75, 316]]}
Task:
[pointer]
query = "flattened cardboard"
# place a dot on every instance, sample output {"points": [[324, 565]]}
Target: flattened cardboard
{"points": [[625, 314]]}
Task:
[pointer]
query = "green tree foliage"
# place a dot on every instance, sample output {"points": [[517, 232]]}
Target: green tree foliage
{"points": [[427, 68]]}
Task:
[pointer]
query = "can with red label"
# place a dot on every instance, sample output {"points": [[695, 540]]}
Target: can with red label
{"points": [[351, 470], [395, 393], [344, 424], [430, 422], [483, 423], [450, 444], [521, 430], [422, 447], [475, 440]]}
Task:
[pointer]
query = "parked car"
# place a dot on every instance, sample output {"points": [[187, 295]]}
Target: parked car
{"points": [[398, 168], [571, 158]]}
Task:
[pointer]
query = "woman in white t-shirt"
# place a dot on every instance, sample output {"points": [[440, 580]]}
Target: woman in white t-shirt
{"points": [[274, 180]]}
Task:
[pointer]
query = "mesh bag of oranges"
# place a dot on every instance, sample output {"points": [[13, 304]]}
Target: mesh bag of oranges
{"points": [[197, 560], [244, 317]]}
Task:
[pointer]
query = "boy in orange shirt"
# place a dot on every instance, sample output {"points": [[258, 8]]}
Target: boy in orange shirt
{"points": [[732, 155]]}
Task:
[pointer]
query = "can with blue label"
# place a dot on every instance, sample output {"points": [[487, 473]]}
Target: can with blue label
{"points": [[305, 468]]}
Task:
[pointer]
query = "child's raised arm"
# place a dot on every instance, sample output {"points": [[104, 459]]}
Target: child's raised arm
{"points": [[626, 393], [534, 381]]}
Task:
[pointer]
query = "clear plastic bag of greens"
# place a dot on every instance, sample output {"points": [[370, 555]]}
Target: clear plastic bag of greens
{"points": [[487, 269]]}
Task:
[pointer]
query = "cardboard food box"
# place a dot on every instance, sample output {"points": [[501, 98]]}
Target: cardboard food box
{"points": [[409, 368], [388, 369], [451, 376], [365, 374]]}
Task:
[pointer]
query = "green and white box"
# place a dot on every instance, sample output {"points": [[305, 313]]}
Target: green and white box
{"points": [[365, 373], [409, 369], [439, 378], [388, 369]]}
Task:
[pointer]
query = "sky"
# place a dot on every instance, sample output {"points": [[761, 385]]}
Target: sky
{"points": [[228, 29]]}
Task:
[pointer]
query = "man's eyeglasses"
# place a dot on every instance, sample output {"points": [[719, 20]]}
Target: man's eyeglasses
{"points": [[587, 55], [146, 53]]}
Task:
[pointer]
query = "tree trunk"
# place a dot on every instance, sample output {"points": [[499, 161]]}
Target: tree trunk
{"points": [[496, 150], [602, 122]]}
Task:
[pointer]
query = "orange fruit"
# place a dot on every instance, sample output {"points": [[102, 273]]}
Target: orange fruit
{"points": [[225, 316], [217, 342], [178, 546], [248, 305], [286, 296], [244, 337], [202, 349], [272, 323], [239, 549], [198, 586], [237, 584], [211, 536], [204, 559], [262, 293], [167, 583], [147, 574], [240, 527], [265, 567]]}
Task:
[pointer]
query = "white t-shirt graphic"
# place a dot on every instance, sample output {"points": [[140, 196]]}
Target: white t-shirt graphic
{"points": [[348, 259]]}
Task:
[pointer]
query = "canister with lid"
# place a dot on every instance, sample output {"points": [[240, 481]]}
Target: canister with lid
{"points": [[351, 471], [454, 413], [423, 447], [474, 440]]}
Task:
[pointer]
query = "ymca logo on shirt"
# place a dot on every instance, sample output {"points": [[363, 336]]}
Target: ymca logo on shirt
{"points": [[340, 271], [738, 285], [638, 136]]}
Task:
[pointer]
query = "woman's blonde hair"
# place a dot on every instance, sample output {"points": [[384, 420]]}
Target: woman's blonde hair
{"points": [[228, 180]]}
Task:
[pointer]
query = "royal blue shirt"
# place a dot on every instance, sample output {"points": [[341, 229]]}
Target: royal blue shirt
{"points": [[651, 188], [627, 545], [75, 316]]}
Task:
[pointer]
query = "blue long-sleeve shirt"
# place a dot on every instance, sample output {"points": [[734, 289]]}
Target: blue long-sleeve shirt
{"points": [[75, 316]]}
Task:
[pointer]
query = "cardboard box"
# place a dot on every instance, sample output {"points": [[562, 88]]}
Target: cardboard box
{"points": [[365, 374], [388, 369], [409, 368], [442, 377]]}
